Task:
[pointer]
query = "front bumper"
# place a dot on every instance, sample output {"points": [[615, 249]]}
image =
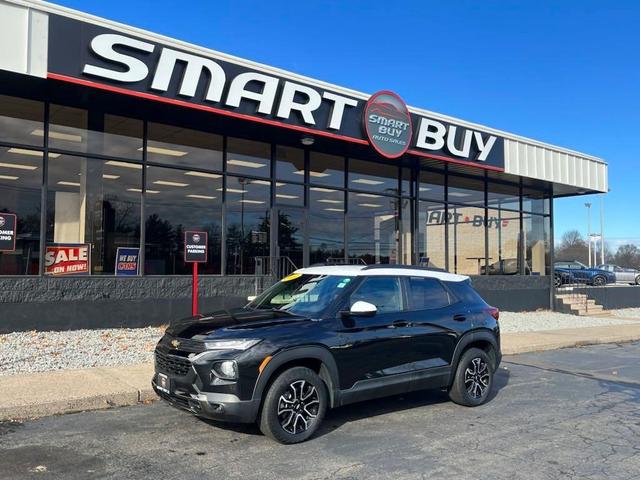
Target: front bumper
{"points": [[214, 406]]}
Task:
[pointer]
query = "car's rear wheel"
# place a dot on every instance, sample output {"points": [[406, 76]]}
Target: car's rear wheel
{"points": [[599, 281], [474, 378], [294, 406]]}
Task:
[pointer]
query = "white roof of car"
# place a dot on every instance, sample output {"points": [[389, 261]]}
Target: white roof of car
{"points": [[364, 270]]}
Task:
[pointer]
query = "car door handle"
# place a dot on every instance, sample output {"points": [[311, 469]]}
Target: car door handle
{"points": [[401, 323], [459, 318]]}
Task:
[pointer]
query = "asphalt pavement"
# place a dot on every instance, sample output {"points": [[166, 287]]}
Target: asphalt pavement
{"points": [[572, 413]]}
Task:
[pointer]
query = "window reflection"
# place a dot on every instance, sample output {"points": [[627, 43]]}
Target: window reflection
{"points": [[20, 181], [248, 157], [289, 164], [469, 191], [431, 235], [184, 147], [373, 177], [176, 201], [373, 228], [93, 202], [431, 185], [503, 229], [21, 121], [111, 135], [247, 223], [325, 170], [326, 225], [537, 239], [466, 240]]}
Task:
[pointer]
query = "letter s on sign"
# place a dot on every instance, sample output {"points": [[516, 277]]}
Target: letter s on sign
{"points": [[102, 45]]}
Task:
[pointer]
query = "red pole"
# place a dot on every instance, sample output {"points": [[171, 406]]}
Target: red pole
{"points": [[194, 290]]}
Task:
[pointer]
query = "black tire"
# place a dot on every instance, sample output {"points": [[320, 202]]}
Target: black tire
{"points": [[473, 382], [638, 280], [599, 281], [557, 280], [305, 393]]}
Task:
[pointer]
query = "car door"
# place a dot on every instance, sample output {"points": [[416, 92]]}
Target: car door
{"points": [[374, 347], [436, 320]]}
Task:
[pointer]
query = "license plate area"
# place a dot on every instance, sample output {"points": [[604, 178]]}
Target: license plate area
{"points": [[163, 383]]}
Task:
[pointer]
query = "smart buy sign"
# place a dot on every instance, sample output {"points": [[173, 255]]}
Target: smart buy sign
{"points": [[67, 259]]}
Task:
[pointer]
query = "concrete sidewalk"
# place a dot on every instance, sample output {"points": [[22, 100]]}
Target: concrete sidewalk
{"points": [[53, 393]]}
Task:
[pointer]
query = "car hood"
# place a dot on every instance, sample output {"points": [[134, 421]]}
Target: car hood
{"points": [[240, 318]]}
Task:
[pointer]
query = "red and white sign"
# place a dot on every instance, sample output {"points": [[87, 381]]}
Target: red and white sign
{"points": [[72, 259]]}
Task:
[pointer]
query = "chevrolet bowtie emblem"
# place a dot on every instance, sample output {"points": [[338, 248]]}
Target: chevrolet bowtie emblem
{"points": [[175, 343]]}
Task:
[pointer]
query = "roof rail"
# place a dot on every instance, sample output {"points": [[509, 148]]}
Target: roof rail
{"points": [[406, 267]]}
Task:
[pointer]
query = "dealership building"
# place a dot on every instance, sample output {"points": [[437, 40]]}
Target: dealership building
{"points": [[115, 141]]}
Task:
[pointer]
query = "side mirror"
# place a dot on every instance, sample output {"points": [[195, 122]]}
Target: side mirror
{"points": [[362, 309], [251, 298]]}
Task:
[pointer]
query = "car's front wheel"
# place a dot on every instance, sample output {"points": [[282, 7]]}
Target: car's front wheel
{"points": [[474, 378], [638, 280], [294, 406], [599, 281]]}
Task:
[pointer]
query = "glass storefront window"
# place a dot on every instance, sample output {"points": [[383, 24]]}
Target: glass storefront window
{"points": [[373, 229], [184, 147], [469, 191], [503, 227], [247, 223], [93, 202], [289, 194], [21, 121], [537, 240], [20, 183], [326, 225], [325, 170], [503, 196], [535, 201], [176, 202], [466, 239], [78, 130], [373, 177], [248, 157], [431, 186], [406, 232], [289, 164], [405, 181], [431, 235]]}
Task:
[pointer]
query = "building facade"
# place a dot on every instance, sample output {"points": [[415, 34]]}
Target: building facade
{"points": [[115, 141]]}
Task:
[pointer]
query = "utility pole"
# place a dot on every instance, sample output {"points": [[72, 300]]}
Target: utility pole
{"points": [[602, 229], [588, 205]]}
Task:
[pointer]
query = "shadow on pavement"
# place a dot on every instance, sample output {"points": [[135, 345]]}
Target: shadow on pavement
{"points": [[337, 417]]}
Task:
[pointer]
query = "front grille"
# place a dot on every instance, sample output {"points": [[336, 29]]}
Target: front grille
{"points": [[172, 364]]}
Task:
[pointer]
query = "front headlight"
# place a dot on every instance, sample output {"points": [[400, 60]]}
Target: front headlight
{"points": [[226, 369], [231, 344]]}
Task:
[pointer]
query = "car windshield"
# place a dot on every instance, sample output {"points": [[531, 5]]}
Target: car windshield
{"points": [[307, 295]]}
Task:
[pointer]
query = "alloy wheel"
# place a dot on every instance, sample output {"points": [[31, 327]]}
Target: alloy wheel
{"points": [[298, 406], [476, 377]]}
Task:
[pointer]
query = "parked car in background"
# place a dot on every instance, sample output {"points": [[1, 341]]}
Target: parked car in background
{"points": [[577, 272], [623, 275]]}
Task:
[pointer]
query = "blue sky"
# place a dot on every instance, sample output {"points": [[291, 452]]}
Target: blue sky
{"points": [[564, 72]]}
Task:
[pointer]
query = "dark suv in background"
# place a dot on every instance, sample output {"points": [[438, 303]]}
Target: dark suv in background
{"points": [[327, 336]]}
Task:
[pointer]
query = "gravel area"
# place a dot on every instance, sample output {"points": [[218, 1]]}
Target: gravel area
{"points": [[627, 312], [29, 352], [511, 322]]}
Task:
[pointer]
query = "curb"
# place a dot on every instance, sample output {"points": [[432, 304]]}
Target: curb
{"points": [[24, 397]]}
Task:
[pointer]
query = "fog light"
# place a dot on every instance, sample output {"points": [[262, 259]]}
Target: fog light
{"points": [[227, 369]]}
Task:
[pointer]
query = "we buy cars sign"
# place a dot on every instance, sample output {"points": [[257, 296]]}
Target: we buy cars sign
{"points": [[71, 259]]}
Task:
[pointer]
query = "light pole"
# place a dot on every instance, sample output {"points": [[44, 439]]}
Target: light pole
{"points": [[602, 229], [588, 205]]}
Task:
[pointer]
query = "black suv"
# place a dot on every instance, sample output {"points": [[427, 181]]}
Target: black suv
{"points": [[327, 336]]}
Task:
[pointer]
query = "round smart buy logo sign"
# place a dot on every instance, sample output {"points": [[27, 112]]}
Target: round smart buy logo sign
{"points": [[387, 122]]}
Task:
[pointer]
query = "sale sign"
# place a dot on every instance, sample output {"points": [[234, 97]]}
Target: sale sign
{"points": [[67, 259], [127, 261]]}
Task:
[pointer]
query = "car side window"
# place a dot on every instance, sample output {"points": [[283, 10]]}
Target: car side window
{"points": [[427, 294], [383, 292]]}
